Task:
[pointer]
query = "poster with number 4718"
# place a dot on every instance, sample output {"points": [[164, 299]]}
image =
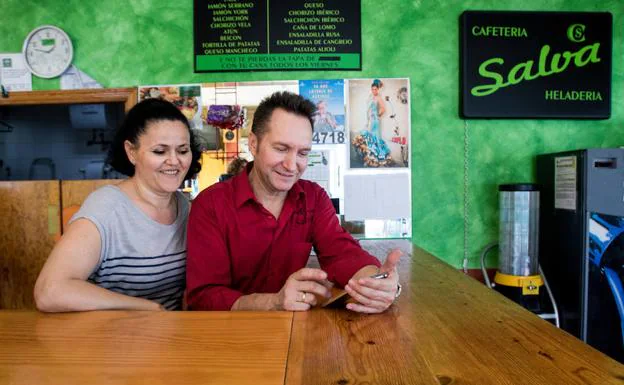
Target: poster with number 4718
{"points": [[329, 119]]}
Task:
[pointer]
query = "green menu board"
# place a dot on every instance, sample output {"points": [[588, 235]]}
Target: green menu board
{"points": [[269, 35]]}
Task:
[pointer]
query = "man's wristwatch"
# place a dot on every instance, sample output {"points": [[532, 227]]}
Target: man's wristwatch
{"points": [[398, 292]]}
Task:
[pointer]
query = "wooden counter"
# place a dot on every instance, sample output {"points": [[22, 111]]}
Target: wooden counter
{"points": [[447, 328], [139, 347]]}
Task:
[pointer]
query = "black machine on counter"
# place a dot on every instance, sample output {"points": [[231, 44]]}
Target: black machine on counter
{"points": [[581, 242]]}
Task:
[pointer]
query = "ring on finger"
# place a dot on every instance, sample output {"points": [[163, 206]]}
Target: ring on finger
{"points": [[303, 296]]}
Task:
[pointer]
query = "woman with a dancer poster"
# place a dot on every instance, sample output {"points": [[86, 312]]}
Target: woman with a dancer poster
{"points": [[379, 123]]}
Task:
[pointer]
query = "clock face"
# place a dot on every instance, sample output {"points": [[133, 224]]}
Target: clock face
{"points": [[48, 51]]}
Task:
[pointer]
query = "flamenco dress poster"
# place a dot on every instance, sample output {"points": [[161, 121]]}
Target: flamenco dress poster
{"points": [[379, 123]]}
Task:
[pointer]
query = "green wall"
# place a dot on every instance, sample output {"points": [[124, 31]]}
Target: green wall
{"points": [[456, 164]]}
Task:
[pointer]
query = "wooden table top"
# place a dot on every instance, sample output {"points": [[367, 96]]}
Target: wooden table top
{"points": [[140, 347], [447, 328]]}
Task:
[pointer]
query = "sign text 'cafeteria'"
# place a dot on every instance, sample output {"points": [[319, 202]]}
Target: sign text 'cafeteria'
{"points": [[536, 64]]}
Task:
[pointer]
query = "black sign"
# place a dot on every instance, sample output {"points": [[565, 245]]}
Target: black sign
{"points": [[268, 35], [536, 64]]}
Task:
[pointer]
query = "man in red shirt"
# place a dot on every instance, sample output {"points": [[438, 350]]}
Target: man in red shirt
{"points": [[250, 237]]}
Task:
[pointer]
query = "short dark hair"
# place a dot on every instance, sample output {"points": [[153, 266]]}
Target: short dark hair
{"points": [[287, 101], [134, 125]]}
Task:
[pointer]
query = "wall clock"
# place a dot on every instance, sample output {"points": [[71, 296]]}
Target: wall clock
{"points": [[48, 51]]}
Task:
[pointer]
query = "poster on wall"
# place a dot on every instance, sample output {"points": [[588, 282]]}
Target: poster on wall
{"points": [[318, 169], [14, 75], [384, 196], [379, 123], [536, 64], [329, 119], [187, 97], [269, 35]]}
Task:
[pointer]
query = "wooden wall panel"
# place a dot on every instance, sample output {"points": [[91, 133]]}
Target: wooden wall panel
{"points": [[30, 222], [74, 192]]}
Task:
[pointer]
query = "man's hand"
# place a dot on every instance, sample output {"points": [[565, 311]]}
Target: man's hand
{"points": [[375, 295], [300, 290]]}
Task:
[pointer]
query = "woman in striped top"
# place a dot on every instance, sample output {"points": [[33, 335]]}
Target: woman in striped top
{"points": [[126, 246]]}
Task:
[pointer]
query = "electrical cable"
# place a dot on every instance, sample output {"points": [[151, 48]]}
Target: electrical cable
{"points": [[550, 294], [486, 250]]}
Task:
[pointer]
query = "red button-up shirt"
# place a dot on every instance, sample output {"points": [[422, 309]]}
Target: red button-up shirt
{"points": [[237, 247]]}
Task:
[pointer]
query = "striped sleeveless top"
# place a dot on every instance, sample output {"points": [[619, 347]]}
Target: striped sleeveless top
{"points": [[139, 257]]}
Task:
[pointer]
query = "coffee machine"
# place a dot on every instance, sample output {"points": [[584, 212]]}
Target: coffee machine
{"points": [[581, 246]]}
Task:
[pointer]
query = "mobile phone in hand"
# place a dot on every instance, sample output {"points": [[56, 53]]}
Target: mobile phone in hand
{"points": [[380, 275], [341, 297]]}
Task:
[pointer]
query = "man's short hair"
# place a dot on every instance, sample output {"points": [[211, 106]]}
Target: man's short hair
{"points": [[287, 101]]}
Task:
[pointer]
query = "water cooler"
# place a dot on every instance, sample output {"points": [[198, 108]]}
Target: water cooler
{"points": [[581, 242]]}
